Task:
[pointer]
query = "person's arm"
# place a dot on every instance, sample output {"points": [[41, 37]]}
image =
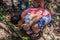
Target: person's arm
{"points": [[42, 3], [32, 22]]}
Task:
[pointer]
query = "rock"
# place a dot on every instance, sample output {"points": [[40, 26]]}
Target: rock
{"points": [[4, 31]]}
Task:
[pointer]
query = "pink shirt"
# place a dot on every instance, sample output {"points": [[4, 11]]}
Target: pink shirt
{"points": [[40, 11]]}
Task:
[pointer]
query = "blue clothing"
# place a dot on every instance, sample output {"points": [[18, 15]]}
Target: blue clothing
{"points": [[43, 21], [28, 18]]}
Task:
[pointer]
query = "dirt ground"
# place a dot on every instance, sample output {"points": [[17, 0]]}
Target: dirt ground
{"points": [[51, 32]]}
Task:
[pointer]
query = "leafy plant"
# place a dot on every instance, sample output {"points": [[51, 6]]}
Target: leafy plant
{"points": [[12, 27]]}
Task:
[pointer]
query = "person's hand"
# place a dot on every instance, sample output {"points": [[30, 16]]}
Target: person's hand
{"points": [[35, 28], [26, 26]]}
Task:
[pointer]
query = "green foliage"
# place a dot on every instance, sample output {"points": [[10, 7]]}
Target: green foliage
{"points": [[12, 27]]}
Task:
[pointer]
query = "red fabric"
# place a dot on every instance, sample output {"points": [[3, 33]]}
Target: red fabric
{"points": [[39, 11]]}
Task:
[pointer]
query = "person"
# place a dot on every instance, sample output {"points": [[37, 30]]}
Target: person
{"points": [[39, 1], [34, 19]]}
